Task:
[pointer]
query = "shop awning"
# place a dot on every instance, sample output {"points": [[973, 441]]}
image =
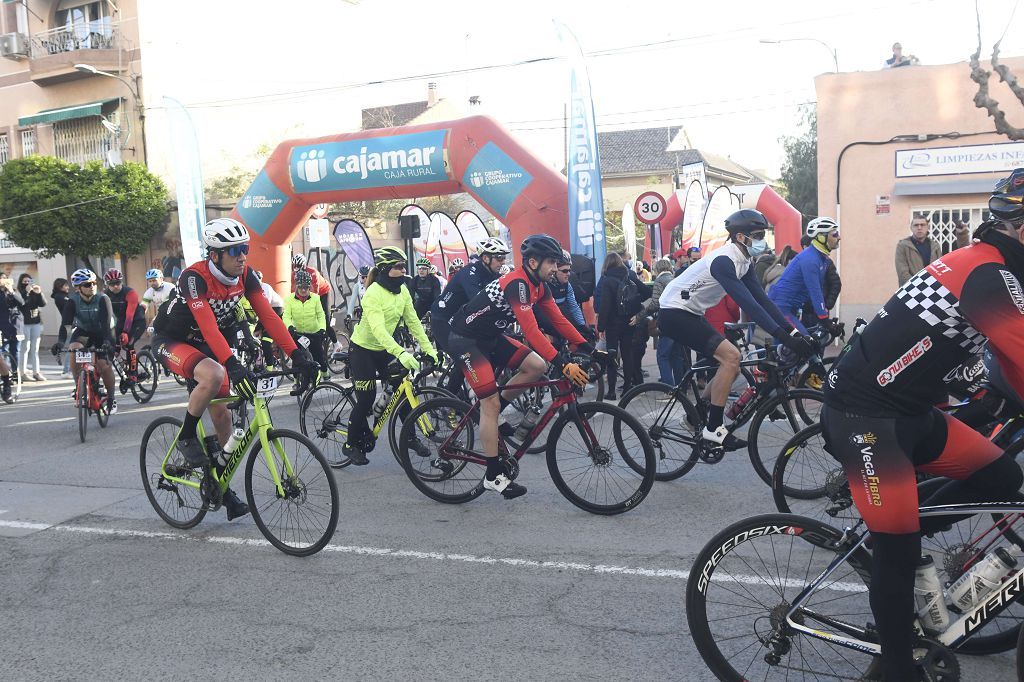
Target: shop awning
{"points": [[960, 185], [66, 113]]}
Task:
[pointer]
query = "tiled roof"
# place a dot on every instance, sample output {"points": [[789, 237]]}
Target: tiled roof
{"points": [[640, 151], [392, 115]]}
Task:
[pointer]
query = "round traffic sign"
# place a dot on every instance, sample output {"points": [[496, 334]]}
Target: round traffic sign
{"points": [[649, 207], [319, 211]]}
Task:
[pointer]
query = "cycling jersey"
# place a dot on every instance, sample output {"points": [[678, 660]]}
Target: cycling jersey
{"points": [[565, 299], [726, 270], [307, 317], [126, 308], [157, 296], [93, 318], [424, 291], [383, 308], [508, 300], [802, 280], [206, 306], [938, 318], [464, 285]]}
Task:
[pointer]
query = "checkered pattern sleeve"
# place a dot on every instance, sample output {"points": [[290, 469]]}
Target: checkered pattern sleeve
{"points": [[193, 289]]}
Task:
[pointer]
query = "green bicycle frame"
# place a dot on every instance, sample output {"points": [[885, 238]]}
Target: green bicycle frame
{"points": [[405, 388], [260, 425]]}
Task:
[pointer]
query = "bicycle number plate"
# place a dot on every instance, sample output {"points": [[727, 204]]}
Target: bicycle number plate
{"points": [[83, 358], [266, 386]]}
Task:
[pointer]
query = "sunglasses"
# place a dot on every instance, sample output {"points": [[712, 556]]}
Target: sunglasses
{"points": [[757, 235], [501, 258], [399, 266], [565, 272], [88, 285], [114, 283], [237, 250]]}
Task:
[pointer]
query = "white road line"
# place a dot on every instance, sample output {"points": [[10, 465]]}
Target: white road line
{"points": [[41, 421], [428, 556]]}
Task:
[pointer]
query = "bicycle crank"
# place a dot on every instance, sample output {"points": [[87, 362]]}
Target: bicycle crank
{"points": [[936, 661], [210, 492], [511, 465], [710, 454]]}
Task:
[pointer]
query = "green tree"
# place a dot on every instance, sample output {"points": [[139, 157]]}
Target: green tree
{"points": [[800, 169], [55, 207], [231, 185]]}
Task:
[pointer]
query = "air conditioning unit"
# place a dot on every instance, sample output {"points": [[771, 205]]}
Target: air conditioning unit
{"points": [[14, 46]]}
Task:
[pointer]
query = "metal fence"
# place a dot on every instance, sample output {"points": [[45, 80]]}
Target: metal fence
{"points": [[943, 220], [80, 140], [5, 149], [96, 36], [28, 142]]}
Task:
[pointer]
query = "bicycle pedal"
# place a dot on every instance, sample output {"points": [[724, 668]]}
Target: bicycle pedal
{"points": [[711, 454], [444, 465]]}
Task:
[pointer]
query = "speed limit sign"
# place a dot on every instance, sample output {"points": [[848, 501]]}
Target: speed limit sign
{"points": [[649, 207], [319, 211]]}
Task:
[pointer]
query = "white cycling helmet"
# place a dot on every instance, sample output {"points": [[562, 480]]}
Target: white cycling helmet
{"points": [[821, 225], [492, 246], [220, 233]]}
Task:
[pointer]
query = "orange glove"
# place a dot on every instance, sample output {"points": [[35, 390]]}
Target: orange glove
{"points": [[575, 374]]}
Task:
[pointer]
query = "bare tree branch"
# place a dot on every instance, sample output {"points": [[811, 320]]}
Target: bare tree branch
{"points": [[982, 99]]}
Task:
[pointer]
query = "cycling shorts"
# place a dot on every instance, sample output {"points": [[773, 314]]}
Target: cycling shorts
{"points": [[181, 357], [881, 456], [478, 357], [690, 330]]}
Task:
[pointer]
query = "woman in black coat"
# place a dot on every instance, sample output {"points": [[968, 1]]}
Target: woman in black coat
{"points": [[59, 295], [613, 320]]}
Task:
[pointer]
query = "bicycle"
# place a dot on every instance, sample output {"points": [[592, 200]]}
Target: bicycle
{"points": [[143, 384], [88, 398], [674, 417], [296, 493], [437, 438], [805, 586], [324, 412]]}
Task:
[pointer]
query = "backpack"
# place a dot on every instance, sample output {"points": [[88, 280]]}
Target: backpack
{"points": [[583, 278]]}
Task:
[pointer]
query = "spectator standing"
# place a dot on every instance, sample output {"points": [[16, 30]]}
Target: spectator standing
{"points": [[621, 300], [685, 259], [32, 294], [899, 59], [59, 296], [962, 233], [673, 359], [10, 316], [771, 274], [643, 271], [915, 251]]}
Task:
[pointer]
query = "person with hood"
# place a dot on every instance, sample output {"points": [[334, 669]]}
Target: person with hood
{"points": [[621, 300]]}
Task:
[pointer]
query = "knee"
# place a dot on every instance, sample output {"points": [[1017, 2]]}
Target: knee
{"points": [[210, 374], [534, 365], [490, 405], [729, 357], [1001, 477]]}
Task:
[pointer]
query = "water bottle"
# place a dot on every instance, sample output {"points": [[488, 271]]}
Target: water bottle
{"points": [[530, 420], [740, 403], [382, 401], [973, 587], [929, 598], [236, 436]]}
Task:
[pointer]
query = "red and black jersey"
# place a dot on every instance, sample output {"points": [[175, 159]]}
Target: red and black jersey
{"points": [[206, 305], [510, 299], [941, 316], [125, 304]]}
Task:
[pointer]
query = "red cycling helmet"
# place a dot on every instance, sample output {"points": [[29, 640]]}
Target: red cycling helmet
{"points": [[113, 275]]}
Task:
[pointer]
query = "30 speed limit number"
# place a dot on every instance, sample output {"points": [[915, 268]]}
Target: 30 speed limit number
{"points": [[649, 207]]}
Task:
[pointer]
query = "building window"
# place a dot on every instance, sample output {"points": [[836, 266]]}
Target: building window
{"points": [[943, 220], [5, 150], [81, 19], [28, 142], [80, 140]]}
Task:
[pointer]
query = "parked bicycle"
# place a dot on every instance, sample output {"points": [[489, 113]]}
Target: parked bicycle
{"points": [[290, 489], [598, 455]]}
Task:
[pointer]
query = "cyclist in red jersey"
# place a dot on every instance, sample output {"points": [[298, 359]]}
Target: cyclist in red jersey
{"points": [[478, 343], [190, 336], [880, 424], [321, 287]]}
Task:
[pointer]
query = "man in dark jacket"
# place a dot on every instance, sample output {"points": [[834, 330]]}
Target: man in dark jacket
{"points": [[425, 288]]}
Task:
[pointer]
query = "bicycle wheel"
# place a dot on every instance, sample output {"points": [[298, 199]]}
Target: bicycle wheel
{"points": [[775, 422], [102, 413], [82, 394], [146, 370], [303, 520], [672, 424], [442, 474], [588, 471], [744, 581], [179, 505], [1020, 656], [323, 417], [422, 393]]}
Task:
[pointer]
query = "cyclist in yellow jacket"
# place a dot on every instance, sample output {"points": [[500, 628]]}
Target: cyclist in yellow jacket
{"points": [[305, 319], [386, 303]]}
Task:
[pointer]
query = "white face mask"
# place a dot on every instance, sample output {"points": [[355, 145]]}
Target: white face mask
{"points": [[757, 246]]}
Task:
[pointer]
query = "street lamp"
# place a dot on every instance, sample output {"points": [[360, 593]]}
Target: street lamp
{"points": [[831, 50], [137, 100]]}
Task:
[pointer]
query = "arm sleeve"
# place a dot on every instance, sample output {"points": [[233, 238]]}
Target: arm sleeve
{"points": [[724, 271], [67, 318], [809, 273], [652, 305], [412, 321], [604, 310], [39, 300], [132, 299], [833, 285], [272, 324], [563, 326], [288, 321], [373, 317], [321, 315], [987, 303], [192, 283], [574, 307], [107, 318], [903, 268]]}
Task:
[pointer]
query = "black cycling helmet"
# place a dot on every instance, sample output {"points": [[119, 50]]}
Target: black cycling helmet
{"points": [[745, 221], [364, 271], [1007, 200], [540, 246], [303, 279]]}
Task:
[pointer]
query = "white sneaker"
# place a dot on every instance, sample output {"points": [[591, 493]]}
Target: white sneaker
{"points": [[65, 375]]}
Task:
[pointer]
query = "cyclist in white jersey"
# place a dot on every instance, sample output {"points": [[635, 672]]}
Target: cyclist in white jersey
{"points": [[158, 292], [726, 270]]}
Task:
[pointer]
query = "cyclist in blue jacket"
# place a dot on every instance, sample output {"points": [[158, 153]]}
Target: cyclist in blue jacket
{"points": [[804, 278]]}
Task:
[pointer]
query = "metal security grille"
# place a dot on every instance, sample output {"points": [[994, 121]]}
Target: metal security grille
{"points": [[5, 150], [80, 140], [28, 142], [943, 220]]}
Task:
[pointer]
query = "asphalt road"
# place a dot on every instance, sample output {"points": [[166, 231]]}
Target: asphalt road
{"points": [[93, 585]]}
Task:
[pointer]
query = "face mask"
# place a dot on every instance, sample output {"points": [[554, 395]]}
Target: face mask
{"points": [[757, 246]]}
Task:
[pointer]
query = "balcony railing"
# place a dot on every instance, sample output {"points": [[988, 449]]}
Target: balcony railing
{"points": [[96, 36]]}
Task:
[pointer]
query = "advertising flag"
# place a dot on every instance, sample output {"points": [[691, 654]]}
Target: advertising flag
{"points": [[693, 214], [472, 229], [629, 232], [188, 180], [352, 239], [712, 230], [586, 205]]}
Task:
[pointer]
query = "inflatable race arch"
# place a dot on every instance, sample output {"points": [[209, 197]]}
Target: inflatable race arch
{"points": [[473, 155]]}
